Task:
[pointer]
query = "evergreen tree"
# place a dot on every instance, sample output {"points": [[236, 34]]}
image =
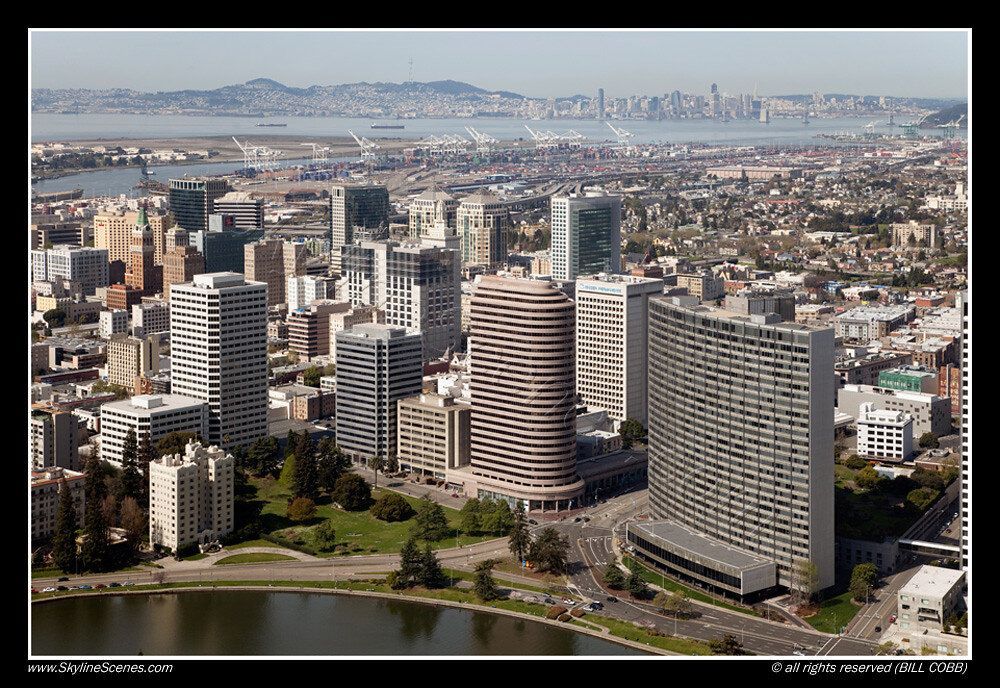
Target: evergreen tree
{"points": [[130, 481], [306, 474], [470, 516], [94, 552], [484, 586], [146, 454], [430, 524], [520, 536], [64, 539], [613, 576], [431, 575], [409, 564], [331, 464]]}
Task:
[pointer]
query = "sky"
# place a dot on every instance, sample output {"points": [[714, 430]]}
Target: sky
{"points": [[533, 63]]}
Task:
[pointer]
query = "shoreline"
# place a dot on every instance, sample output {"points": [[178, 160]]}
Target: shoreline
{"points": [[372, 594]]}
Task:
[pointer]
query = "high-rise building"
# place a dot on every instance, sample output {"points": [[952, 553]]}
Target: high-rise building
{"points": [[193, 200], [54, 438], [141, 271], [355, 206], [150, 417], [966, 474], [740, 448], [248, 212], [345, 320], [132, 357], [428, 208], [523, 386], [377, 365], [611, 343], [586, 235], [309, 328], [86, 266], [113, 231], [482, 225], [273, 261], [600, 103], [433, 435], [46, 484], [417, 286], [218, 347], [180, 265], [302, 290], [224, 248]]}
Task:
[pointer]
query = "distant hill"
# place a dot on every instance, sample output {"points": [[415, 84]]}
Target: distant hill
{"points": [[949, 114]]}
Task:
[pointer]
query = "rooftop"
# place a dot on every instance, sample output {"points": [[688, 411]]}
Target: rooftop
{"points": [[690, 541], [932, 580]]}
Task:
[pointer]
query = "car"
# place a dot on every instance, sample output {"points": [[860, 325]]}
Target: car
{"points": [[567, 600], [549, 600], [577, 519], [799, 653], [48, 589], [86, 587], [62, 587], [586, 519], [34, 591], [127, 583], [100, 586], [596, 605], [612, 598], [532, 522], [114, 585], [892, 619], [878, 629], [74, 587], [64, 579]]}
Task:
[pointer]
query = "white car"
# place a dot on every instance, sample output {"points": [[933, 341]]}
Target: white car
{"points": [[49, 589]]}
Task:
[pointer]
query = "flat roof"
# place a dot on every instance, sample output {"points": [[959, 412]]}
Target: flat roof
{"points": [[932, 580], [701, 545]]}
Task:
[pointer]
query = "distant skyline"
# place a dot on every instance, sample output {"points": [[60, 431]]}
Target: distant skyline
{"points": [[932, 64]]}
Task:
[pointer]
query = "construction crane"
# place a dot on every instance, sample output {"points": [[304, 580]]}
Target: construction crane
{"points": [[319, 153], [484, 142], [950, 128], [623, 136], [368, 148]]}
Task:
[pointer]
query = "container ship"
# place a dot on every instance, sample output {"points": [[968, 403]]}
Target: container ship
{"points": [[388, 126], [262, 124]]}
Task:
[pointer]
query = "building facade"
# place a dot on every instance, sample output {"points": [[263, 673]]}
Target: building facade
{"points": [[355, 206], [586, 235], [150, 416]]}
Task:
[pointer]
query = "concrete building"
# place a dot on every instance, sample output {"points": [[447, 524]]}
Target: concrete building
{"points": [[854, 368], [740, 446], [703, 286], [760, 302], [913, 233], [930, 412], [868, 323], [345, 320], [886, 435], [523, 385], [191, 497], [433, 435], [218, 342], [355, 206], [193, 200], [86, 266], [273, 262], [122, 297], [45, 487], [113, 232], [247, 211], [53, 440], [611, 343], [586, 235], [151, 416], [910, 379], [302, 290], [416, 286], [112, 322], [483, 223], [429, 208], [50, 233], [132, 357], [150, 317], [309, 328], [929, 598], [180, 265], [377, 365], [757, 173]]}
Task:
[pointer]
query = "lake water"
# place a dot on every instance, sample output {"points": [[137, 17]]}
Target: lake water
{"points": [[289, 623]]}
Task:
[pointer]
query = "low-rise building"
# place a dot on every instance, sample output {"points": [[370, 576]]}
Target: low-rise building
{"points": [[112, 322], [45, 486], [930, 412], [433, 434], [869, 323], [886, 435]]}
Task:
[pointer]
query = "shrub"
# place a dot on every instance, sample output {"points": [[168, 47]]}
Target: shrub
{"points": [[352, 493], [391, 508], [855, 462], [301, 509], [577, 612], [555, 612], [564, 617], [922, 498]]}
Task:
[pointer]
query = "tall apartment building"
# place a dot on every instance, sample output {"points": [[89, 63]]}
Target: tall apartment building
{"points": [[433, 435], [248, 212], [416, 286], [141, 271], [273, 261], [132, 357], [180, 265], [355, 206], [586, 235], [309, 328], [303, 290], [151, 416], [429, 208], [218, 346], [914, 233], [483, 222], [611, 342], [45, 495], [113, 232], [53, 440], [523, 389], [86, 266], [193, 200], [740, 447], [191, 497], [377, 365]]}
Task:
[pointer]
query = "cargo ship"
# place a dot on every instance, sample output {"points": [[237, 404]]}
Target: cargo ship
{"points": [[262, 124], [53, 196], [388, 126]]}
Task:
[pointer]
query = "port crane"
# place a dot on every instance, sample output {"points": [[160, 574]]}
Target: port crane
{"points": [[319, 153], [368, 148], [910, 128], [870, 130], [543, 139], [251, 155], [484, 142], [624, 137], [951, 127]]}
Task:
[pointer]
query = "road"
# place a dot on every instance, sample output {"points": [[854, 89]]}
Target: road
{"points": [[876, 613]]}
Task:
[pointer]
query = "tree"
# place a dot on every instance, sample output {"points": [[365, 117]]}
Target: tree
{"points": [[922, 497], [133, 520], [330, 463], [55, 317], [469, 522], [376, 463], [519, 539], [391, 508], [727, 645], [146, 454], [631, 431], [64, 538], [325, 537], [678, 604], [867, 478], [495, 516], [262, 456], [391, 464], [311, 376], [430, 523], [484, 586], [636, 586], [613, 576], [431, 575], [95, 551], [352, 492], [805, 578], [130, 482], [550, 551], [409, 565], [306, 474], [855, 462], [929, 441], [863, 579], [301, 509], [174, 443]]}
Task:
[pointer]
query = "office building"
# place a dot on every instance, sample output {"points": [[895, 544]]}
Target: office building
{"points": [[150, 416], [193, 200], [429, 208], [910, 379], [351, 207], [303, 290], [141, 271], [523, 386], [309, 328], [740, 448], [46, 485], [885, 435], [86, 266], [416, 286], [930, 412], [113, 232], [273, 261], [122, 297], [760, 302], [704, 286], [112, 322], [377, 365], [49, 231], [482, 225], [132, 357], [586, 235], [345, 320], [868, 323], [218, 346], [150, 317], [54, 440], [433, 435], [611, 343], [224, 248], [247, 212], [181, 264], [191, 497]]}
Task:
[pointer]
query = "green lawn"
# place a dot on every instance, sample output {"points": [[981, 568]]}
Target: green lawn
{"points": [[358, 532], [253, 558], [58, 573], [668, 583], [252, 543], [834, 614], [629, 631]]}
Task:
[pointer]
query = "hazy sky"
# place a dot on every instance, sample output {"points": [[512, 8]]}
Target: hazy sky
{"points": [[543, 63]]}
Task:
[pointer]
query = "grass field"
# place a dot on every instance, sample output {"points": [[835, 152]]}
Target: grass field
{"points": [[358, 532], [834, 614], [253, 558], [666, 583]]}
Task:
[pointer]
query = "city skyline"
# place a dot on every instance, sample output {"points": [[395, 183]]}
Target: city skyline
{"points": [[929, 64]]}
